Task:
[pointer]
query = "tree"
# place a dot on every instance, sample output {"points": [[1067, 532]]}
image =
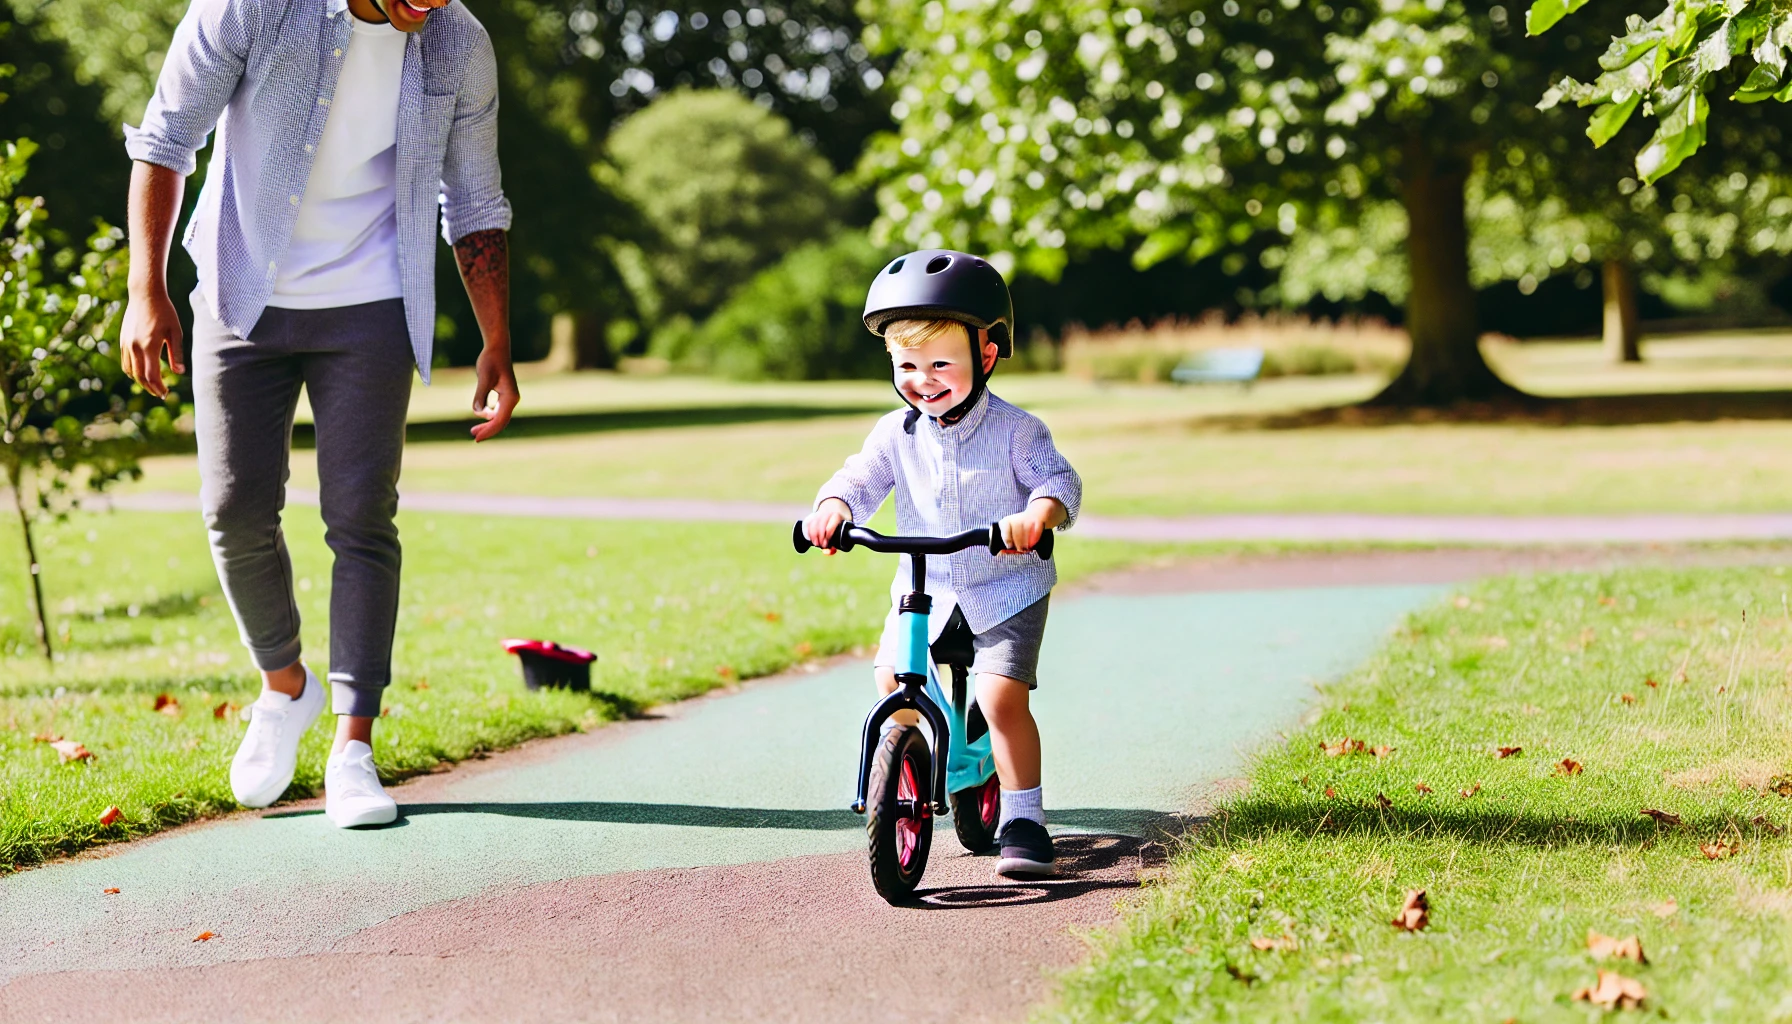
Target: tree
{"points": [[1181, 128], [68, 421], [727, 190]]}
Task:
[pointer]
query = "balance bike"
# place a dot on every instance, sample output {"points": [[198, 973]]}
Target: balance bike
{"points": [[903, 779]]}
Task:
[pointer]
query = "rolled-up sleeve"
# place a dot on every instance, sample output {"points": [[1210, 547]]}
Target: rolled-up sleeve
{"points": [[205, 63], [867, 478], [1044, 471], [472, 188]]}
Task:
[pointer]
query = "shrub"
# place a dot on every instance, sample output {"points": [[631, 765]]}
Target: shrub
{"points": [[726, 188], [799, 320]]}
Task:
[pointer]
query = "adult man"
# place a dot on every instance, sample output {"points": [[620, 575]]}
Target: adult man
{"points": [[340, 124]]}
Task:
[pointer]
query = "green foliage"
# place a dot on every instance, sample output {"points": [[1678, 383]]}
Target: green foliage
{"points": [[1666, 65], [798, 320], [727, 189], [67, 420]]}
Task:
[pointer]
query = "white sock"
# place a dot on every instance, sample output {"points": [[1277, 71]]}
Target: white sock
{"points": [[1021, 803]]}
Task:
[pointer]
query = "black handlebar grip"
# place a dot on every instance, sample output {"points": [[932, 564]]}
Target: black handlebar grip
{"points": [[1043, 549], [842, 540], [798, 539]]}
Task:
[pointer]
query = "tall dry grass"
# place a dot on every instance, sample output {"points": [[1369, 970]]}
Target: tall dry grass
{"points": [[1292, 346]]}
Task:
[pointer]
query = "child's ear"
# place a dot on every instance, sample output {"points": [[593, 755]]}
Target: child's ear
{"points": [[990, 352]]}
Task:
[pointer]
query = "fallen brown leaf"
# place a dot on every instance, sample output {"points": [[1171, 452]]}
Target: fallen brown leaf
{"points": [[1761, 821], [1608, 947], [167, 705], [111, 815], [1381, 751], [69, 750], [1650, 683], [1240, 974], [1781, 784], [1627, 698], [1661, 817], [725, 671], [1382, 801], [1569, 766], [1665, 908], [1613, 991], [1720, 849], [1420, 787], [1471, 791], [1330, 793], [1275, 942], [112, 891], [204, 937], [1343, 747], [1415, 913], [772, 616], [224, 710], [804, 649], [1505, 752], [421, 684], [44, 737]]}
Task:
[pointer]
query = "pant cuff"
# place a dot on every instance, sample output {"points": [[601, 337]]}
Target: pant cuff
{"points": [[357, 700], [277, 658]]}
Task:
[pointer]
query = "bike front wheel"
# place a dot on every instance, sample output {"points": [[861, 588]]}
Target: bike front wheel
{"points": [[899, 822]]}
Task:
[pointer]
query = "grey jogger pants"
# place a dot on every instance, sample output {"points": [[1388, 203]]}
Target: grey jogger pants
{"points": [[355, 364]]}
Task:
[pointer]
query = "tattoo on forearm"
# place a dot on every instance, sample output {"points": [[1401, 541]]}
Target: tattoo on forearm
{"points": [[484, 258]]}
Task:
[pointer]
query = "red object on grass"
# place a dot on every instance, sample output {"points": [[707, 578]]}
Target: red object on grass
{"points": [[546, 663]]}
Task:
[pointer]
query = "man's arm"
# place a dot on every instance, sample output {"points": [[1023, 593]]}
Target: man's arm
{"points": [[150, 320], [484, 258]]}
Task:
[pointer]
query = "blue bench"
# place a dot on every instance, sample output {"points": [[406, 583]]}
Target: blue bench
{"points": [[1220, 366]]}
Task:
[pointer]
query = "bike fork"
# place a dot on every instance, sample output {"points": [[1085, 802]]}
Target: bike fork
{"points": [[908, 696]]}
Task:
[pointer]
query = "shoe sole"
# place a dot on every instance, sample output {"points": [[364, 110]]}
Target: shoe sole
{"points": [[379, 816], [1021, 867], [265, 797]]}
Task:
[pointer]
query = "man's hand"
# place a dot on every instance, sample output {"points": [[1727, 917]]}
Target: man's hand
{"points": [[150, 325], [1022, 530], [822, 523], [495, 394]]}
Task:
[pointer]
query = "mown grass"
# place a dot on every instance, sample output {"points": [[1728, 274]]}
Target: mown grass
{"points": [[672, 609], [1519, 871]]}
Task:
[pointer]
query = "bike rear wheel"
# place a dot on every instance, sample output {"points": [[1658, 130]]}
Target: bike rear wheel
{"points": [[975, 812], [899, 822]]}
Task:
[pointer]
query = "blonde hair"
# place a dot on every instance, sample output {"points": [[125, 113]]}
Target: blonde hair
{"points": [[904, 334]]}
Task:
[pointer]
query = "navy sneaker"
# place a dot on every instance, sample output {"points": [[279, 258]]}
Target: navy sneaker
{"points": [[1026, 850]]}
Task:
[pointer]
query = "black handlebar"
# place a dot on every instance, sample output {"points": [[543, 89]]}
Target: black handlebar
{"points": [[849, 536]]}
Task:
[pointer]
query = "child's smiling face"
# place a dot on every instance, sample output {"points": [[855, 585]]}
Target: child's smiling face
{"points": [[935, 376]]}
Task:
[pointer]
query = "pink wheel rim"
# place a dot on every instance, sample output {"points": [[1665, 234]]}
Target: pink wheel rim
{"points": [[908, 830], [989, 803]]}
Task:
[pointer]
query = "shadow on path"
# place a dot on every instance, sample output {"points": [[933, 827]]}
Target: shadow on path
{"points": [[304, 435], [1129, 822]]}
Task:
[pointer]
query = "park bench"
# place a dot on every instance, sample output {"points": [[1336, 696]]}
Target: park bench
{"points": [[1220, 366]]}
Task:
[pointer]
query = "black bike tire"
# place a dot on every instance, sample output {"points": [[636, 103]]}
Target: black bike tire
{"points": [[894, 882], [974, 834]]}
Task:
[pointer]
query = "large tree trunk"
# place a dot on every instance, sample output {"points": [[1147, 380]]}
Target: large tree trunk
{"points": [[37, 586], [1446, 366], [1621, 332], [578, 341]]}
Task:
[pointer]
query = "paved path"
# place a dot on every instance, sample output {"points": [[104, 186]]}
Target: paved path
{"points": [[694, 868], [1338, 527]]}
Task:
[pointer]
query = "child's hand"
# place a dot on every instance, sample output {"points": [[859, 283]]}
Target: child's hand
{"points": [[1022, 530], [822, 523]]}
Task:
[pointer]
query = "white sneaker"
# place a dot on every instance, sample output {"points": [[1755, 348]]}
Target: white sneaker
{"points": [[263, 766], [352, 791]]}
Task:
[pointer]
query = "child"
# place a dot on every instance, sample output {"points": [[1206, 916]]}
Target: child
{"points": [[957, 458]]}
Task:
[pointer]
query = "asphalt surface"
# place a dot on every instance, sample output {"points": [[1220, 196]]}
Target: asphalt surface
{"points": [[699, 866]]}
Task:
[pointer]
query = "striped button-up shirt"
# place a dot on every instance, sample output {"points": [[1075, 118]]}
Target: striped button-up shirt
{"points": [[263, 73], [990, 464]]}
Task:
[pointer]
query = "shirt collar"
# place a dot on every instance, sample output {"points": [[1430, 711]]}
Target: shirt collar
{"points": [[335, 7], [970, 419]]}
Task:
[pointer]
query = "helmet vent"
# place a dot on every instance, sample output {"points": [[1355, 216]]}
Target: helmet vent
{"points": [[938, 263], [896, 267]]}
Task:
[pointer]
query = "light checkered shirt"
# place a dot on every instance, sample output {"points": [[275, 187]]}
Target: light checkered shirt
{"points": [[990, 464], [263, 73]]}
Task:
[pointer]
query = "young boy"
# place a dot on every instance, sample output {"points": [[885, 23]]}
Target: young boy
{"points": [[957, 458]]}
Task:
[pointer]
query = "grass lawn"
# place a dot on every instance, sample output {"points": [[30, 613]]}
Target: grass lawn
{"points": [[673, 610], [1651, 680], [1142, 449]]}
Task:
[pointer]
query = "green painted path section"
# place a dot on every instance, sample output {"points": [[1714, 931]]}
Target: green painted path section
{"points": [[1144, 701]]}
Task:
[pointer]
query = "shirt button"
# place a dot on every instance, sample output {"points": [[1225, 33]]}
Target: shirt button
{"points": [[338, 52], [294, 200], [309, 148], [322, 101]]}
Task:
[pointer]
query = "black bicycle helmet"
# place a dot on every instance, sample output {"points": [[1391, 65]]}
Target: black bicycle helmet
{"points": [[940, 284]]}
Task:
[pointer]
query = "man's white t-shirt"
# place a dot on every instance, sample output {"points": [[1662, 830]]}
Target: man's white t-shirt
{"points": [[345, 244]]}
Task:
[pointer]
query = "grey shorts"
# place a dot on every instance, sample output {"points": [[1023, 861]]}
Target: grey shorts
{"points": [[1008, 648]]}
